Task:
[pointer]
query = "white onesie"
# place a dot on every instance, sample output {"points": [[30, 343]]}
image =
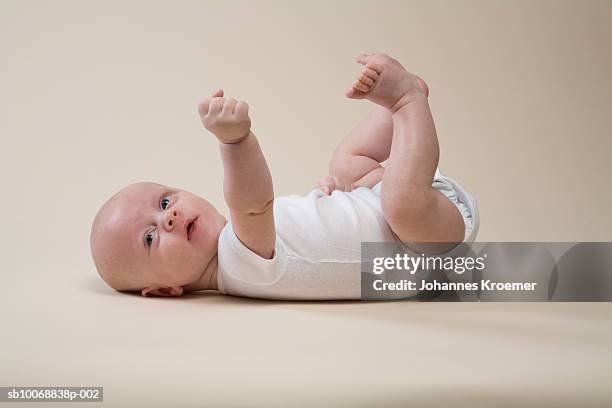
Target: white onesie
{"points": [[318, 244]]}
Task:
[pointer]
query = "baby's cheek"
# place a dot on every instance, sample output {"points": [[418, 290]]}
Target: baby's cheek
{"points": [[177, 265], [177, 248], [210, 238]]}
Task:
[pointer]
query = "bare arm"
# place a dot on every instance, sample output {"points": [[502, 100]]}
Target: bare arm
{"points": [[248, 191], [247, 184]]}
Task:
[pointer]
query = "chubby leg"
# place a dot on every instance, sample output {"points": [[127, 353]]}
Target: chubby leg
{"points": [[356, 161], [416, 212]]}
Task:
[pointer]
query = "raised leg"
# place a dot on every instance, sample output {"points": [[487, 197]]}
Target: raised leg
{"points": [[415, 211], [356, 161]]}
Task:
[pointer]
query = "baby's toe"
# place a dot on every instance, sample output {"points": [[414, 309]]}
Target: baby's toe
{"points": [[361, 86], [370, 73], [377, 68], [366, 81], [354, 93]]}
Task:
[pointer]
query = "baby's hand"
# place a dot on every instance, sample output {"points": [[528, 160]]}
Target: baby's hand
{"points": [[226, 118], [330, 183]]}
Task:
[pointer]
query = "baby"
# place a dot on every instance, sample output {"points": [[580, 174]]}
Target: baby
{"points": [[164, 241]]}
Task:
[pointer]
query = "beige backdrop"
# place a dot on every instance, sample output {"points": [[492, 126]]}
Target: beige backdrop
{"points": [[95, 95]]}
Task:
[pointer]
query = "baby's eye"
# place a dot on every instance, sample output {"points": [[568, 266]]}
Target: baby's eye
{"points": [[164, 202], [149, 238]]}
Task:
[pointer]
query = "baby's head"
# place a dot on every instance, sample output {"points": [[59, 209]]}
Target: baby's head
{"points": [[155, 239]]}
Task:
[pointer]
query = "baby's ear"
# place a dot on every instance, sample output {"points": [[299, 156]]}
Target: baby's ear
{"points": [[168, 291]]}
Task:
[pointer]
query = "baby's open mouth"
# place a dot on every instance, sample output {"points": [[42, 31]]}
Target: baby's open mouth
{"points": [[191, 228]]}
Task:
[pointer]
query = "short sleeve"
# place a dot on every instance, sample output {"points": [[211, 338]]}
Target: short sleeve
{"points": [[238, 264]]}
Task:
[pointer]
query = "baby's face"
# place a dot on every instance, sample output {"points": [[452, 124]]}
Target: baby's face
{"points": [[164, 236]]}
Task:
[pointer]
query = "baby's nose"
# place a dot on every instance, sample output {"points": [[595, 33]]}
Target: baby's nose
{"points": [[170, 219]]}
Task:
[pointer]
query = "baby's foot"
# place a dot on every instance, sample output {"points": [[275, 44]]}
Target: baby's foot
{"points": [[385, 81]]}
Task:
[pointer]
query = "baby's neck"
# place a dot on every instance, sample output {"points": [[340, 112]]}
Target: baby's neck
{"points": [[208, 280]]}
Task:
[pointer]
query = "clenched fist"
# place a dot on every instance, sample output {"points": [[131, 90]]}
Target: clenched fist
{"points": [[330, 183], [226, 118]]}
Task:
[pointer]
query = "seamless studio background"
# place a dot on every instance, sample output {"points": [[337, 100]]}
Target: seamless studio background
{"points": [[96, 95]]}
